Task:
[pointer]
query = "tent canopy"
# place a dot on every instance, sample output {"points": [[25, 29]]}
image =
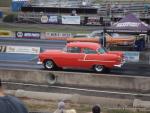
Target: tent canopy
{"points": [[129, 24]]}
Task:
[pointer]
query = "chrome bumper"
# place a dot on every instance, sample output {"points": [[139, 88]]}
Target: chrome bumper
{"points": [[121, 64], [39, 62]]}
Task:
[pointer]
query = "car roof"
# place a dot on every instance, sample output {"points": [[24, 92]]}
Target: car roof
{"points": [[90, 45]]}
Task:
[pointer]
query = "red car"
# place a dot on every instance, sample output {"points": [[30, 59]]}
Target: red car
{"points": [[81, 55]]}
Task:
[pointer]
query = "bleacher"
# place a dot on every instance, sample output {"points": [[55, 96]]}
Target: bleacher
{"points": [[56, 3], [120, 9]]}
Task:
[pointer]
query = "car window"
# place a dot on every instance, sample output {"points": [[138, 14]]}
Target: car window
{"points": [[102, 50], [73, 49], [89, 51]]}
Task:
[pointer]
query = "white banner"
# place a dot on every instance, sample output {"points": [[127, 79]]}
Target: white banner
{"points": [[23, 49], [132, 56], [71, 20], [55, 34]]}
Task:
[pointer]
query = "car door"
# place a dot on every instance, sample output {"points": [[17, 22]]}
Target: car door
{"points": [[91, 58], [72, 57]]}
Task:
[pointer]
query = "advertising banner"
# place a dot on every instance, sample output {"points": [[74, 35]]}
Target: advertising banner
{"points": [[23, 49], [92, 21], [71, 20], [53, 19], [50, 19], [28, 35], [2, 49], [132, 56], [56, 36], [5, 33]]}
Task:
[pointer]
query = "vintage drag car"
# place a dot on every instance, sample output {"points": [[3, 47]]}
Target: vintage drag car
{"points": [[128, 40], [82, 55]]}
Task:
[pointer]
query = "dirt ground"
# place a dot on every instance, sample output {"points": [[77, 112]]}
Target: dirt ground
{"points": [[50, 106]]}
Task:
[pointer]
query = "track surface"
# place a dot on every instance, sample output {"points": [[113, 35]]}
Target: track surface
{"points": [[24, 61]]}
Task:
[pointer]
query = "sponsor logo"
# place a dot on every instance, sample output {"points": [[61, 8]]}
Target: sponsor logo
{"points": [[44, 19], [20, 34], [128, 24], [53, 19], [33, 35]]}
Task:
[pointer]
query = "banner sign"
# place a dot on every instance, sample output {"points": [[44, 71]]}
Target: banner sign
{"points": [[131, 56], [2, 49], [53, 19], [5, 33], [92, 21], [71, 20], [56, 36], [50, 19], [23, 49], [28, 35]]}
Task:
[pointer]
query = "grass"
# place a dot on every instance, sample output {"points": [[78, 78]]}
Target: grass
{"points": [[51, 106], [48, 28]]}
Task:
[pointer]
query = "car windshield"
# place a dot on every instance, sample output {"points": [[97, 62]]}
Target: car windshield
{"points": [[102, 50]]}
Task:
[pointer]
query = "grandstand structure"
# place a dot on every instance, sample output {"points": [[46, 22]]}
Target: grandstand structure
{"points": [[107, 10], [60, 3]]}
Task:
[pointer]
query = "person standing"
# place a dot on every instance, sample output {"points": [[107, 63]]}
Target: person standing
{"points": [[61, 108], [10, 104]]}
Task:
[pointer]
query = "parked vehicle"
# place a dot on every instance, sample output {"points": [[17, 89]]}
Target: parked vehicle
{"points": [[82, 55]]}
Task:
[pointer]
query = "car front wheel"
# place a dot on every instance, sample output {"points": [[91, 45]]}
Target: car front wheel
{"points": [[99, 68], [49, 64]]}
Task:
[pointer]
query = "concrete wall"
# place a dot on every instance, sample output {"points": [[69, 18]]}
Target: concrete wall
{"points": [[77, 79]]}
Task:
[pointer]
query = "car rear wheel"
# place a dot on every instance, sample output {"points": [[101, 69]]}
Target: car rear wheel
{"points": [[49, 64], [99, 68]]}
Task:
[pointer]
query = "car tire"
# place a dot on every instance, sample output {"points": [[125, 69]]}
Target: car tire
{"points": [[99, 68], [49, 65]]}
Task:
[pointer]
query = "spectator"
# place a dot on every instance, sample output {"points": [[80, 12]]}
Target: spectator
{"points": [[96, 109], [61, 108], [10, 104]]}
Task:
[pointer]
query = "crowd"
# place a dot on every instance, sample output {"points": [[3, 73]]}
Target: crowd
{"points": [[11, 104]]}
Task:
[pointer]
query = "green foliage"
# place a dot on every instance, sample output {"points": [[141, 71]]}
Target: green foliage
{"points": [[9, 18]]}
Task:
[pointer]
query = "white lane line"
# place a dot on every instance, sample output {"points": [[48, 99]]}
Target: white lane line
{"points": [[79, 89]]}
